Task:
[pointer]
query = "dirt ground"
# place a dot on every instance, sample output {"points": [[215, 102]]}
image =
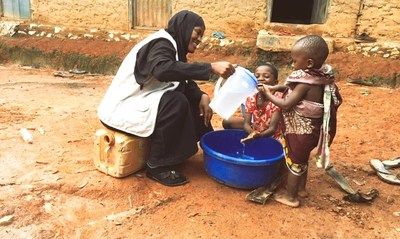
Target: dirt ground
{"points": [[53, 190]]}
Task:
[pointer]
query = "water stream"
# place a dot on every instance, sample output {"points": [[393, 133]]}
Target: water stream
{"points": [[242, 154]]}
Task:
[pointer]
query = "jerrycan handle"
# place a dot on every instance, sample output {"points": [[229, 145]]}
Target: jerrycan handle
{"points": [[106, 141]]}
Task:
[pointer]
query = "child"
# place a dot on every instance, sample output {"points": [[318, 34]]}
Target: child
{"points": [[262, 118], [266, 74], [309, 89]]}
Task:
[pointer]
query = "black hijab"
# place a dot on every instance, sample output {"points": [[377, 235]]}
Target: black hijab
{"points": [[180, 27]]}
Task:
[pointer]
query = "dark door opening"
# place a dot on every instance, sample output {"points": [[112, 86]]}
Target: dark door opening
{"points": [[299, 11]]}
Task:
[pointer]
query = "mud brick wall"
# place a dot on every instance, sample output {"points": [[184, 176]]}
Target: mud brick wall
{"points": [[381, 19], [342, 17], [377, 18], [100, 14], [240, 18], [235, 18]]}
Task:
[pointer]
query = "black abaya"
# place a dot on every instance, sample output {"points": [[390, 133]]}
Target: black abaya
{"points": [[178, 125], [178, 128]]}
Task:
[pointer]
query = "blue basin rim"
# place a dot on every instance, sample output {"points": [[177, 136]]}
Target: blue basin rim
{"points": [[234, 160]]}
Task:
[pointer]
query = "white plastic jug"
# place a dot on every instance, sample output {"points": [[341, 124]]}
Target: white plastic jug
{"points": [[235, 90]]}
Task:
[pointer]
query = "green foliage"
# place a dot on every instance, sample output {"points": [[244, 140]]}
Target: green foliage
{"points": [[278, 59]]}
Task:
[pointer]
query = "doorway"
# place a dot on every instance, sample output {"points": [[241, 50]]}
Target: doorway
{"points": [[299, 11]]}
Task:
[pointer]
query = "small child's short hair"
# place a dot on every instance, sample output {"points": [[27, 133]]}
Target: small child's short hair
{"points": [[315, 47]]}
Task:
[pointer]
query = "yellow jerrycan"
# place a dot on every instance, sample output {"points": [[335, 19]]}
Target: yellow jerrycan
{"points": [[118, 154]]}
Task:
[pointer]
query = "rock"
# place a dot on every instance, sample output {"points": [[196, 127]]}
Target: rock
{"points": [[126, 36], [135, 36], [57, 30], [368, 48], [90, 36], [390, 200], [351, 48], [7, 220], [8, 28], [395, 52], [375, 49]]}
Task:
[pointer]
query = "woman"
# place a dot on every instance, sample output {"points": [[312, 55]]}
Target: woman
{"points": [[153, 95]]}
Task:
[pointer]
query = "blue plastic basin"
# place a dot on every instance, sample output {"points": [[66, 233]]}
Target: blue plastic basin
{"points": [[246, 166]]}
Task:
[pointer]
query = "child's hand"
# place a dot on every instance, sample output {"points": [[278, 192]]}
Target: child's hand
{"points": [[249, 137], [265, 90], [273, 88], [257, 135], [269, 89]]}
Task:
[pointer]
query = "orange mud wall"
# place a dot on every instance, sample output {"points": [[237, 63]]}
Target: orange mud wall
{"points": [[235, 18], [95, 14]]}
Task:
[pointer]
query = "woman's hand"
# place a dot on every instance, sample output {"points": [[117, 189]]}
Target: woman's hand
{"points": [[223, 69], [205, 109]]}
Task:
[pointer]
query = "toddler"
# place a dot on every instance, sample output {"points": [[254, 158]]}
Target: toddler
{"points": [[309, 110]]}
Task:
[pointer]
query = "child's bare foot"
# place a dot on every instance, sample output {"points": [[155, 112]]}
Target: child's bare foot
{"points": [[286, 200], [302, 194]]}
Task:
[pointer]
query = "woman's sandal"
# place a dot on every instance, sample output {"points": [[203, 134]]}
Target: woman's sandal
{"points": [[167, 178]]}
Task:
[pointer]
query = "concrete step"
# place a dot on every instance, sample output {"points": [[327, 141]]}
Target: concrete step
{"points": [[279, 43]]}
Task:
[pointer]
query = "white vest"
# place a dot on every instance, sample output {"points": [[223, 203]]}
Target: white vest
{"points": [[127, 108]]}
